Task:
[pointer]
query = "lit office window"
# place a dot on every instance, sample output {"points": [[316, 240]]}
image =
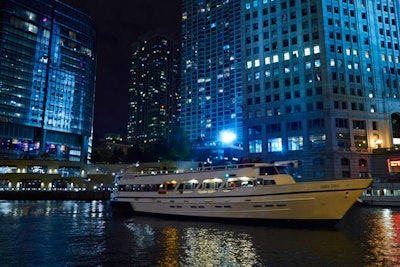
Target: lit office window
{"points": [[316, 50], [318, 140], [249, 64], [307, 51], [295, 143], [286, 56], [275, 144], [255, 146]]}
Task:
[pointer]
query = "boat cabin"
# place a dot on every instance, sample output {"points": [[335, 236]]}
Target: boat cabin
{"points": [[264, 176]]}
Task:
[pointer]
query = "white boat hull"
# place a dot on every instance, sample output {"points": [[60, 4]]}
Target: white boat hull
{"points": [[322, 200]]}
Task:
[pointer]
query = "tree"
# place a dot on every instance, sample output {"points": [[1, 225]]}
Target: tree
{"points": [[179, 146], [118, 155], [134, 153], [96, 157]]}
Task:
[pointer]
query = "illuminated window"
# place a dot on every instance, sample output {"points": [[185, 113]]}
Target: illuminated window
{"points": [[255, 146], [249, 64], [286, 56], [360, 141], [307, 51], [343, 140], [275, 144], [295, 143], [318, 140]]}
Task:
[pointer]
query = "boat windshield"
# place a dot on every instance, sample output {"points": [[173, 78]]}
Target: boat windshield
{"points": [[282, 169], [273, 170]]}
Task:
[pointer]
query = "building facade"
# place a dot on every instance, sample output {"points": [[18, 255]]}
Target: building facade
{"points": [[47, 81], [321, 83], [211, 78], [153, 90]]}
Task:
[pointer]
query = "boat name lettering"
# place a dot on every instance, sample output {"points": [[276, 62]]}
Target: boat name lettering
{"points": [[330, 186]]}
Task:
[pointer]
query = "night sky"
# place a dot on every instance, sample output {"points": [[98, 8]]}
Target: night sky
{"points": [[120, 23]]}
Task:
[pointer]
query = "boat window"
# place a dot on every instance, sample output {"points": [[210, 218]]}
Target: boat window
{"points": [[210, 185], [249, 183], [149, 187], [136, 187], [269, 170], [167, 186], [187, 186], [170, 185], [273, 170], [269, 182], [139, 187], [233, 183], [282, 169], [125, 187]]}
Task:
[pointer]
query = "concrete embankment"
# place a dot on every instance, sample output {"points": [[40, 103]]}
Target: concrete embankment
{"points": [[55, 195]]}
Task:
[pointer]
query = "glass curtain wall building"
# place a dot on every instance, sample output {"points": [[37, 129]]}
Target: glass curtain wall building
{"points": [[211, 78], [47, 80], [321, 83], [153, 91]]}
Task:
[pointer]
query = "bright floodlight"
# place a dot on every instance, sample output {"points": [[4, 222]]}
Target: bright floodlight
{"points": [[227, 137]]}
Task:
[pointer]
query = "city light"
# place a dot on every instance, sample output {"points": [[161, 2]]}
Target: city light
{"points": [[227, 137]]}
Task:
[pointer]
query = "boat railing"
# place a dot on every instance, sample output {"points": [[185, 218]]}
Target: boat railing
{"points": [[225, 167], [195, 170]]}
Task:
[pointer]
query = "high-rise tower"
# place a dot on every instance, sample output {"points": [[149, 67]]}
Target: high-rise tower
{"points": [[321, 83], [47, 80], [211, 77], [153, 90]]}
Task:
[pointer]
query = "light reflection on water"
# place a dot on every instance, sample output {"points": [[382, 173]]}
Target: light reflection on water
{"points": [[381, 237], [51, 233], [79, 233], [216, 247]]}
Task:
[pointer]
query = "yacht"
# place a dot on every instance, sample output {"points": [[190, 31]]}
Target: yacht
{"points": [[256, 191]]}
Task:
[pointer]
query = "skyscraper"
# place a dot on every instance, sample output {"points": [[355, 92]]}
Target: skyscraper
{"points": [[47, 80], [153, 90], [211, 77], [321, 83]]}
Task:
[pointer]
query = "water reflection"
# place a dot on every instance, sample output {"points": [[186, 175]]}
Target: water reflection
{"points": [[369, 237], [94, 209], [170, 254], [185, 245], [217, 247], [52, 233], [77, 233], [383, 238]]}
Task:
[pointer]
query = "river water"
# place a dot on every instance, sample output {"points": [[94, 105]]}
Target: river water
{"points": [[79, 233]]}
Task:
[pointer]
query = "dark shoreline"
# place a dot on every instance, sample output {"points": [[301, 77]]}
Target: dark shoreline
{"points": [[55, 195]]}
